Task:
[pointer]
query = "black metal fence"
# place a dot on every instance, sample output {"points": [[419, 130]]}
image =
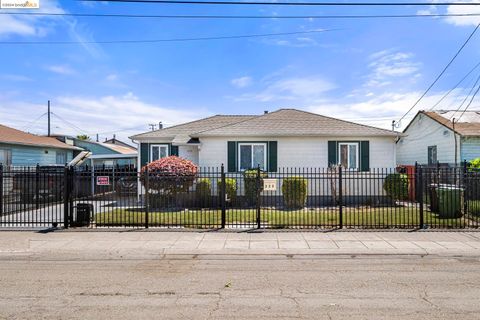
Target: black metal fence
{"points": [[322, 198]]}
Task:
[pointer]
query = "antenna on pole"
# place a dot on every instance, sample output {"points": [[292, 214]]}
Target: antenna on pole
{"points": [[48, 113], [152, 126]]}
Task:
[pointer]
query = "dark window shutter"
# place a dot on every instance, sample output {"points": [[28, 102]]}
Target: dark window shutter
{"points": [[232, 156], [332, 153], [364, 155], [174, 151], [144, 153], [272, 156]]}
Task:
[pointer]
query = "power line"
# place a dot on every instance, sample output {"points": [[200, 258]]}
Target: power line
{"points": [[455, 87], [172, 39], [120, 130], [323, 4], [78, 129], [31, 123], [469, 104], [466, 98], [243, 16], [441, 73]]}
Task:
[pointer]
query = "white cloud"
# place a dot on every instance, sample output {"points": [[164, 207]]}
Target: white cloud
{"points": [[387, 65], [241, 82], [32, 25], [464, 21], [96, 114], [41, 26], [380, 110], [295, 88], [298, 42], [61, 69], [12, 25], [111, 77]]}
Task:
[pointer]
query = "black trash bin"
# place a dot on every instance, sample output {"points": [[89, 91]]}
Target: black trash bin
{"points": [[84, 213]]}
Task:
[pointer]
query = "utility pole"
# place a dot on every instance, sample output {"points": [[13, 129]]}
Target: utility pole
{"points": [[97, 137], [48, 114]]}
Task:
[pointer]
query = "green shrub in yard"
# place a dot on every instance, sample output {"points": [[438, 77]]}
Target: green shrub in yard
{"points": [[475, 163], [396, 186], [230, 188], [250, 178], [294, 190], [203, 192]]}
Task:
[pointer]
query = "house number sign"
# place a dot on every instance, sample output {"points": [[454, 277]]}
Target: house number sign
{"points": [[269, 184]]}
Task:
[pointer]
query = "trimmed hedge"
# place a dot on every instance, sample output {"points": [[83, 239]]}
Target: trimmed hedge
{"points": [[230, 188], [203, 192], [250, 179], [396, 186], [170, 175], [294, 191]]}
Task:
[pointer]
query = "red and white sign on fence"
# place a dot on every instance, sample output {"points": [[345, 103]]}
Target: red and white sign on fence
{"points": [[103, 181]]}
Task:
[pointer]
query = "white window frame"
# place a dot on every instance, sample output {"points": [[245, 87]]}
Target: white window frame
{"points": [[8, 156], [64, 153], [159, 145], [348, 157], [252, 144]]}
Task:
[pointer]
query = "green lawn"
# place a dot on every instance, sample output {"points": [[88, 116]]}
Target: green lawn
{"points": [[382, 217]]}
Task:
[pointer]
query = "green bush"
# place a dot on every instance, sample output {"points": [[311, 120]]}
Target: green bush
{"points": [[230, 188], [475, 163], [203, 192], [294, 191], [250, 179], [396, 186]]}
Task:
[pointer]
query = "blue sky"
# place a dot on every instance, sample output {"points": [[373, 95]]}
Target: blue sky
{"points": [[370, 71]]}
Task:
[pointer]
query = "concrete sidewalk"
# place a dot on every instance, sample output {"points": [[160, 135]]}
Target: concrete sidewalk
{"points": [[147, 244]]}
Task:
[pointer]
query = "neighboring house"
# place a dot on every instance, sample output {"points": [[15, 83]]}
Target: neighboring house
{"points": [[285, 138], [433, 137], [19, 148], [115, 141], [104, 153]]}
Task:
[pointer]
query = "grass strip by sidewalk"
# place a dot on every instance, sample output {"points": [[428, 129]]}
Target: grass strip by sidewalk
{"points": [[383, 217]]}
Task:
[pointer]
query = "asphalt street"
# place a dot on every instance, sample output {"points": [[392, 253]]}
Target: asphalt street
{"points": [[48, 286]]}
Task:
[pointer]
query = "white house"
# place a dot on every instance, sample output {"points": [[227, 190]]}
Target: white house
{"points": [[443, 136], [284, 138]]}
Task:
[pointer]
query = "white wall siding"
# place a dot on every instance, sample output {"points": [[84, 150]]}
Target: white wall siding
{"points": [[299, 151], [422, 133], [189, 153]]}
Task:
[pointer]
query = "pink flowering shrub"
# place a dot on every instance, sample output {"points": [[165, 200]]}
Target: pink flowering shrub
{"points": [[169, 175]]}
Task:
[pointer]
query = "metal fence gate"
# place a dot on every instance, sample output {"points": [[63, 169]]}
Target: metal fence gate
{"points": [[296, 198]]}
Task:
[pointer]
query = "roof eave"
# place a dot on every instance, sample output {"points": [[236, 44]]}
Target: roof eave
{"points": [[39, 145]]}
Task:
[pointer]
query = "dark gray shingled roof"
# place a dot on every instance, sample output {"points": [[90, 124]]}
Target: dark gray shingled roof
{"points": [[192, 127], [292, 122], [283, 122]]}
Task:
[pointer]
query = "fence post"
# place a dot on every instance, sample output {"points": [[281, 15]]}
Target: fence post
{"points": [[223, 196], [66, 195], [147, 198], [258, 197], [1, 189], [37, 189], [419, 191], [340, 198], [465, 190]]}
